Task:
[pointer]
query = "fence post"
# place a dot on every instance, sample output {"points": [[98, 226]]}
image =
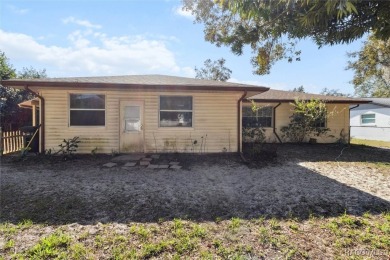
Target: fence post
{"points": [[1, 141], [13, 141], [21, 139], [6, 144]]}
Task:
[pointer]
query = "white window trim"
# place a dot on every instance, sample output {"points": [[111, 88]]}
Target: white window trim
{"points": [[170, 110], [368, 124], [87, 109]]}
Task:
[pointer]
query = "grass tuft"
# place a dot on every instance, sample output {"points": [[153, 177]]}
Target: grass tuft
{"points": [[53, 246], [198, 231], [274, 224], [234, 223], [141, 231], [9, 245]]}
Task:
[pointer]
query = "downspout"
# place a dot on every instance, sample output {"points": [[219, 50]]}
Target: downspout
{"points": [[42, 118], [273, 123], [239, 121], [349, 132]]}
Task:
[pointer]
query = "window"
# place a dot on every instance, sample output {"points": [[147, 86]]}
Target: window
{"points": [[368, 119], [320, 123], [87, 110], [260, 118], [132, 118], [175, 111], [319, 116]]}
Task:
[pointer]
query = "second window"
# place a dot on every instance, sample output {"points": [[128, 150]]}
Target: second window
{"points": [[175, 111], [260, 118]]}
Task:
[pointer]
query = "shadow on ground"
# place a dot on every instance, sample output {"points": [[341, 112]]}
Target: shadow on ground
{"points": [[335, 152], [210, 186]]}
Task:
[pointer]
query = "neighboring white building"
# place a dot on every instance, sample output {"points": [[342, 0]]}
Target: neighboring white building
{"points": [[371, 121]]}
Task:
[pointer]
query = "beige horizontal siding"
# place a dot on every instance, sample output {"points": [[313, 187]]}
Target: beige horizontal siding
{"points": [[214, 116]]}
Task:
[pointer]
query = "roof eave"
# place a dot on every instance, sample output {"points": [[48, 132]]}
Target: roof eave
{"points": [[326, 101], [22, 84], [381, 105]]}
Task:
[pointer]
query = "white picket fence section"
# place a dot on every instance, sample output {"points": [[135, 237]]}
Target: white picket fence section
{"points": [[11, 142]]}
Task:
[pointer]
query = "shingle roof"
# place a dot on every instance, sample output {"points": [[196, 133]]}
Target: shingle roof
{"points": [[289, 96], [379, 101], [134, 81]]}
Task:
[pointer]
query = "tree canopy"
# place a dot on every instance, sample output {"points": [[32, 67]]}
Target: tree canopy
{"points": [[31, 73], [213, 70], [11, 116], [6, 69], [299, 89], [333, 92], [271, 28], [371, 66]]}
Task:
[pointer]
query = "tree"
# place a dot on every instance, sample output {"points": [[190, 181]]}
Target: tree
{"points": [[372, 68], [11, 116], [6, 69], [31, 73], [306, 120], [333, 92], [213, 70], [271, 28], [298, 89]]}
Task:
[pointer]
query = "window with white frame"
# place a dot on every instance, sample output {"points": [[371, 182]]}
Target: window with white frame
{"points": [[175, 111], [368, 119], [260, 118], [87, 110]]}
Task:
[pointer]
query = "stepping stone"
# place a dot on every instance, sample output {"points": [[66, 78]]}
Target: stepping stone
{"points": [[163, 166], [128, 157], [146, 159], [153, 166], [155, 156], [110, 165], [144, 163], [130, 164], [175, 167], [174, 163]]}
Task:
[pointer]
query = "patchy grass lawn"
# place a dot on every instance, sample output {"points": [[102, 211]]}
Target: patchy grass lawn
{"points": [[370, 143], [342, 237], [311, 202]]}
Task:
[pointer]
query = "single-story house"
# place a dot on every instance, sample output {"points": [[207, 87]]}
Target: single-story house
{"points": [[156, 113], [371, 121], [139, 113]]}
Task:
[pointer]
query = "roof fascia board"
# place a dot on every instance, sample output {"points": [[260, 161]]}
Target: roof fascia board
{"points": [[326, 101], [20, 84]]}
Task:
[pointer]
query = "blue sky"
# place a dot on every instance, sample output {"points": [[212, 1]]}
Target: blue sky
{"points": [[90, 38]]}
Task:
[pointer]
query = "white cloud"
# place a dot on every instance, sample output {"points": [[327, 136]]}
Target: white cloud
{"points": [[84, 23], [184, 13], [94, 53], [188, 72], [16, 10]]}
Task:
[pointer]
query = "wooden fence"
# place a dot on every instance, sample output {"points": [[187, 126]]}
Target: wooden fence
{"points": [[11, 142]]}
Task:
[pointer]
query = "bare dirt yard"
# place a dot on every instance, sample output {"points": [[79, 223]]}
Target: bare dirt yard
{"points": [[79, 203]]}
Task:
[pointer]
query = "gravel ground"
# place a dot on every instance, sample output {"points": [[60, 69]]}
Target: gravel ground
{"points": [[303, 180]]}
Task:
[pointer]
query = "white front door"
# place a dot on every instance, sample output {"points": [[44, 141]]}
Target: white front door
{"points": [[131, 126]]}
